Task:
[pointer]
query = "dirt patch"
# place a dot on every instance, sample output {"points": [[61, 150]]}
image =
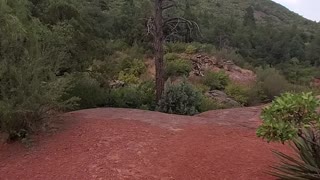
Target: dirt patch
{"points": [[135, 144]]}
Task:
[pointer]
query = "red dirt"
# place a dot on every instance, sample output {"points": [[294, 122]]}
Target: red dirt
{"points": [[134, 144]]}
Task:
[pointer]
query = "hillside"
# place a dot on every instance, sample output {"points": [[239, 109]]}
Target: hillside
{"points": [[264, 11]]}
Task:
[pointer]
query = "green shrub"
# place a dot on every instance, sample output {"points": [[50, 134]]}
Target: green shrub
{"points": [[294, 117], [134, 96], [171, 57], [128, 78], [190, 49], [179, 67], [287, 115], [231, 55], [216, 80], [180, 98], [239, 93], [30, 92], [208, 104], [177, 47], [202, 88], [89, 91], [131, 71], [271, 83]]}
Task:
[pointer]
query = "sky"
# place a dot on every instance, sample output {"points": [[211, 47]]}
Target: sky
{"points": [[309, 9]]}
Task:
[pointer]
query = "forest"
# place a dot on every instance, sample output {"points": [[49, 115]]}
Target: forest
{"points": [[63, 55]]}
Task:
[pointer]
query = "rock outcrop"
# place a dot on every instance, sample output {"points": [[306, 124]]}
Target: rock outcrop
{"points": [[202, 63]]}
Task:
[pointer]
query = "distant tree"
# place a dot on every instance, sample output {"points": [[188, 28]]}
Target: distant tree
{"points": [[249, 19], [156, 26]]}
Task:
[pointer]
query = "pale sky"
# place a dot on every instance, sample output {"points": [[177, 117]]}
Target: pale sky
{"points": [[307, 8]]}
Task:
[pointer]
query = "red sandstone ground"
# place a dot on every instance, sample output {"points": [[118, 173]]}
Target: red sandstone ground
{"points": [[135, 144]]}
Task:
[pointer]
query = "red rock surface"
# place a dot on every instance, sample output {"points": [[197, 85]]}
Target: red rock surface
{"points": [[135, 144]]}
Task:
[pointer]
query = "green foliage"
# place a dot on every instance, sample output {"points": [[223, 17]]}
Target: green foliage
{"points": [[180, 98], [31, 57], [202, 88], [190, 49], [133, 96], [171, 57], [287, 115], [306, 165], [239, 93], [89, 91], [216, 80], [177, 47], [294, 117], [270, 84], [208, 104], [131, 71], [178, 67]]}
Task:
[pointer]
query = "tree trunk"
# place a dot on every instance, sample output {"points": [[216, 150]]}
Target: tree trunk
{"points": [[158, 47]]}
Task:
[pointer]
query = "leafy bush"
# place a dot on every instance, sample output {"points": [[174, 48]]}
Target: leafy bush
{"points": [[294, 117], [287, 115], [271, 83], [177, 47], [208, 104], [134, 96], [216, 80], [179, 67], [201, 88], [180, 98], [131, 71], [30, 93], [190, 49], [89, 91], [128, 78], [239, 93], [171, 57]]}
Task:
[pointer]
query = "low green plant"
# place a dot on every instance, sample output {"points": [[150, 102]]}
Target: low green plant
{"points": [[239, 93], [128, 78], [271, 83], [287, 115], [180, 98], [171, 57], [89, 91], [131, 71], [178, 67], [294, 118], [216, 80], [208, 104], [134, 96], [190, 49], [30, 93], [202, 88], [177, 47]]}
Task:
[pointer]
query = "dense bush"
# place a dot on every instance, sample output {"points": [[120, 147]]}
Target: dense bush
{"points": [[180, 98], [239, 93], [171, 57], [29, 94], [270, 83], [208, 104], [134, 96], [178, 67], [216, 80], [131, 70], [294, 117], [190, 49], [177, 47], [89, 91]]}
